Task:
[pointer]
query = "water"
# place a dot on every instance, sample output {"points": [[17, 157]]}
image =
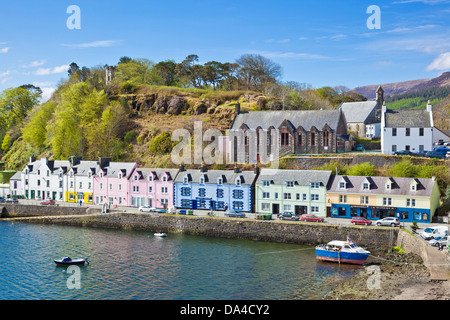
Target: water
{"points": [[126, 265]]}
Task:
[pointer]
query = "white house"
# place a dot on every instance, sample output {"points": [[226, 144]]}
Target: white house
{"points": [[14, 184], [44, 179], [79, 181], [406, 129]]}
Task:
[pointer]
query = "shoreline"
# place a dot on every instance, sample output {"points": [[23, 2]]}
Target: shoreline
{"points": [[400, 276]]}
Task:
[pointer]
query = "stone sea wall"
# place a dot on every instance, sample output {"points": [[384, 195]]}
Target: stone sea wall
{"points": [[372, 238]]}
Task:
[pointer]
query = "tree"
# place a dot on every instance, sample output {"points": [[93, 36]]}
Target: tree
{"points": [[6, 143], [138, 71], [189, 70], [15, 103], [35, 131], [73, 69], [166, 71], [257, 71]]}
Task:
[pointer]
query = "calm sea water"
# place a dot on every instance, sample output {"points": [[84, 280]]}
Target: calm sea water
{"points": [[126, 265]]}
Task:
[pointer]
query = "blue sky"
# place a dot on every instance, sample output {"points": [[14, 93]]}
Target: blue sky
{"points": [[322, 43]]}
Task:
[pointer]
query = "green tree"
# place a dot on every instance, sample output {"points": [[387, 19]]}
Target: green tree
{"points": [[137, 71], [35, 131], [403, 168], [161, 144], [6, 143], [15, 103]]}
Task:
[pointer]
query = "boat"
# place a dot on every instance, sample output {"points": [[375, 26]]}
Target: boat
{"points": [[67, 261], [160, 234], [342, 252]]}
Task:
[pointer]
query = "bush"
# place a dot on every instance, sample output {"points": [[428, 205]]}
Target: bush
{"points": [[161, 144], [364, 169], [130, 136]]}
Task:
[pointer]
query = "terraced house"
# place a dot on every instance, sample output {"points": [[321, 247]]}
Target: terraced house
{"points": [[44, 179], [79, 180], [152, 187], [215, 189], [294, 191], [111, 182], [408, 199]]}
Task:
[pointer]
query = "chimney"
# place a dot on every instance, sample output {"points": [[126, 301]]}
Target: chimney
{"points": [[429, 107], [182, 167], [383, 108], [379, 96], [74, 160], [237, 108], [103, 162], [203, 168], [256, 170], [32, 159], [236, 169]]}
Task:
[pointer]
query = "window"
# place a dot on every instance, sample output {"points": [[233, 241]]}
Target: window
{"points": [[297, 196], [81, 185], [220, 181], [325, 138], [408, 132], [342, 198], [299, 139], [184, 191], [164, 180], [202, 180], [48, 184], [238, 182], [284, 138], [394, 148], [313, 139], [266, 183], [290, 184], [342, 185], [364, 200], [410, 202], [135, 178], [201, 192], [265, 206], [266, 195], [164, 201], [304, 196], [287, 196], [365, 186], [185, 180], [275, 196], [421, 147], [164, 190], [150, 189], [101, 186], [238, 194], [287, 207], [219, 193], [150, 178], [407, 148], [89, 185], [314, 209], [387, 201], [314, 197], [185, 203], [110, 186], [238, 205], [315, 185], [135, 188], [421, 132], [120, 187], [394, 132]]}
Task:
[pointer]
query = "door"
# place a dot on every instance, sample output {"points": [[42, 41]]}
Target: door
{"points": [[275, 208]]}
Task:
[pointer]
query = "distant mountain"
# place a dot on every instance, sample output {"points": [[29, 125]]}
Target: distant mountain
{"points": [[391, 89]]}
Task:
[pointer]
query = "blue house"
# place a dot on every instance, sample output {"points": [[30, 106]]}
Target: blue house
{"points": [[215, 189]]}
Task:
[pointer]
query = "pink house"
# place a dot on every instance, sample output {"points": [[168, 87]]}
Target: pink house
{"points": [[152, 187], [111, 182]]}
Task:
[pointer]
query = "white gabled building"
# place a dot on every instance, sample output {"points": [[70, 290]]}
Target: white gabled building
{"points": [[406, 129], [44, 179], [79, 180]]}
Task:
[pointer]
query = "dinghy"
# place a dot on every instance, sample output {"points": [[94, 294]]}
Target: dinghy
{"points": [[66, 261]]}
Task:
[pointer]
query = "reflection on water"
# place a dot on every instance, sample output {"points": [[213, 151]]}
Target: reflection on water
{"points": [[137, 265]]}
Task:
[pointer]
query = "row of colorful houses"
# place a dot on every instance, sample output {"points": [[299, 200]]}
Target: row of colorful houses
{"points": [[265, 191]]}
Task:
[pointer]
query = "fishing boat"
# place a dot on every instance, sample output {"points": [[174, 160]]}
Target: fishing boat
{"points": [[160, 234], [342, 252], [66, 261]]}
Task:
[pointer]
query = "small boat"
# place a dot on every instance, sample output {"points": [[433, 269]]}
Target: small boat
{"points": [[342, 252], [66, 261], [160, 234]]}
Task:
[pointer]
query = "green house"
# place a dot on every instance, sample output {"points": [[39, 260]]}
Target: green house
{"points": [[294, 191]]}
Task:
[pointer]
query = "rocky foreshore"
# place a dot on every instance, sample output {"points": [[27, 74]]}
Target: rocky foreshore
{"points": [[391, 276]]}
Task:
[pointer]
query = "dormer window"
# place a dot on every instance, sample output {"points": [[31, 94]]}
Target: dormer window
{"points": [[135, 178], [266, 183], [342, 185], [185, 180], [220, 181], [413, 187], [164, 179], [238, 181], [150, 178], [120, 175], [366, 186], [101, 174], [289, 184], [202, 180]]}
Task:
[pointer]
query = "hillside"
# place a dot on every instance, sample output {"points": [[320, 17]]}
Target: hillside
{"points": [[396, 88]]}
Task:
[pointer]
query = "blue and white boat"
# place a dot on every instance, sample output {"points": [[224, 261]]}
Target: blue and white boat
{"points": [[342, 252]]}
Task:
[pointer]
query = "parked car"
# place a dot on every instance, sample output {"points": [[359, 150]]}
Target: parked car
{"points": [[146, 209], [234, 214], [389, 221], [448, 155], [421, 153], [360, 221], [288, 216], [439, 240], [359, 147], [434, 154], [48, 202], [311, 218], [434, 232], [442, 150], [2, 200], [11, 200], [403, 153]]}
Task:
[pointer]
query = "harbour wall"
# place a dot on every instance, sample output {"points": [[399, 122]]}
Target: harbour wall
{"points": [[373, 238], [18, 210]]}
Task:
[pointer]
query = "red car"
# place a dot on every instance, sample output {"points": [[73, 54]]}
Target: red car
{"points": [[48, 202], [361, 221], [310, 218]]}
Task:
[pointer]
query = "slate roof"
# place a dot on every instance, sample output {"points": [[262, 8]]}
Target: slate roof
{"points": [[83, 167], [113, 168], [212, 176], [401, 118], [357, 111], [53, 165], [16, 176], [158, 172], [400, 186], [304, 118], [301, 177]]}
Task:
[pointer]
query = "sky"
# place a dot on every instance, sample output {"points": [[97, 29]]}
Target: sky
{"points": [[320, 43]]}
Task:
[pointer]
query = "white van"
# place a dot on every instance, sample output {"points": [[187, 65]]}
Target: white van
{"points": [[433, 232]]}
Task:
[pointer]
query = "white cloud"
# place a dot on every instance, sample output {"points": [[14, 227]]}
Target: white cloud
{"points": [[47, 94], [55, 70], [441, 62], [4, 50], [4, 74], [94, 44], [34, 64]]}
